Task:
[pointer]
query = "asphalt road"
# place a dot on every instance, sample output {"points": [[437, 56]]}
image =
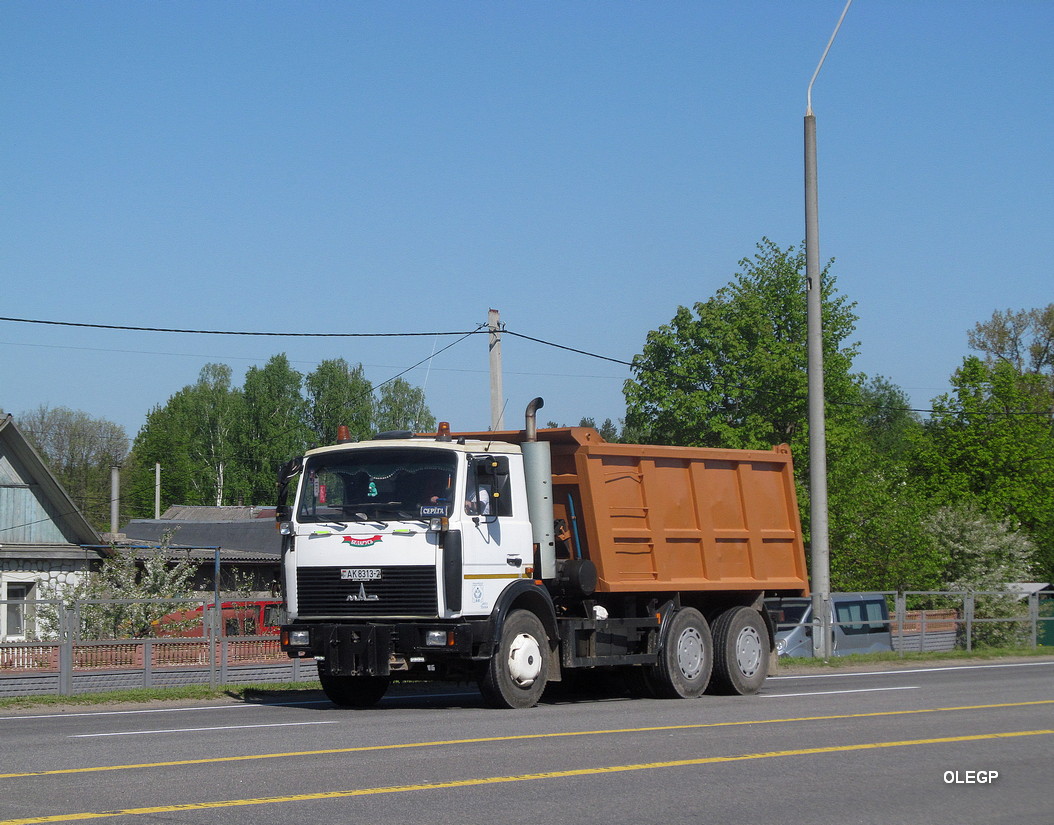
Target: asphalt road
{"points": [[956, 744]]}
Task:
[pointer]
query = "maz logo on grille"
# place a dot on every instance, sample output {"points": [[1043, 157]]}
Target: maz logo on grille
{"points": [[361, 574]]}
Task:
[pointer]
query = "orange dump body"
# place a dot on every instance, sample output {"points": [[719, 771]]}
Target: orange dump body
{"points": [[655, 518]]}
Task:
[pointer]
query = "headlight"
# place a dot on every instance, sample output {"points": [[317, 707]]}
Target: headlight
{"points": [[298, 638], [435, 638]]}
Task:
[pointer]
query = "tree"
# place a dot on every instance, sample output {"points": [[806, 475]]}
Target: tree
{"points": [[1025, 339], [102, 596], [80, 451], [193, 437], [888, 420], [338, 393], [983, 556], [220, 444], [990, 442], [274, 427], [608, 431], [877, 514], [401, 406], [733, 372]]}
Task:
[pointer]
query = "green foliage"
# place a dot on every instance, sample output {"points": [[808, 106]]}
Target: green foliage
{"points": [[990, 442], [218, 444], [103, 595], [194, 439], [401, 406], [888, 421], [608, 430], [876, 529], [338, 393], [733, 372], [877, 508], [1024, 339], [274, 427], [983, 556]]}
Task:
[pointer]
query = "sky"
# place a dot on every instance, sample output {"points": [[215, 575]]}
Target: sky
{"points": [[585, 168]]}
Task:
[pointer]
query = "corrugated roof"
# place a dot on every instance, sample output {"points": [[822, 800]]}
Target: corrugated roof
{"points": [[191, 512], [257, 537]]}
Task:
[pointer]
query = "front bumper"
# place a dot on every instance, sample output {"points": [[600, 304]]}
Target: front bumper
{"points": [[379, 648]]}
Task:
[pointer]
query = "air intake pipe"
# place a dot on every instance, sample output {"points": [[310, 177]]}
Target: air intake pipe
{"points": [[538, 473]]}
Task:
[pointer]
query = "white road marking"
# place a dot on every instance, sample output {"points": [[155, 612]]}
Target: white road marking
{"points": [[826, 692], [911, 670], [162, 710], [196, 730]]}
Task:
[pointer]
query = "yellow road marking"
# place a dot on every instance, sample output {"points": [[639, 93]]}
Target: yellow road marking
{"points": [[527, 777], [480, 740]]}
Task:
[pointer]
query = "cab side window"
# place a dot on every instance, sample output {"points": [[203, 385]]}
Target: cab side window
{"points": [[488, 493]]}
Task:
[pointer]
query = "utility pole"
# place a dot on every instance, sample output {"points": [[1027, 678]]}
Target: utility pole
{"points": [[497, 404], [157, 490], [115, 499], [820, 550]]}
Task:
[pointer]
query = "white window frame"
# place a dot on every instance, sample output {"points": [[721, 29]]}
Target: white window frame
{"points": [[25, 585]]}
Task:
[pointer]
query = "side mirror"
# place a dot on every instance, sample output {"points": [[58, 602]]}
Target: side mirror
{"points": [[290, 470]]}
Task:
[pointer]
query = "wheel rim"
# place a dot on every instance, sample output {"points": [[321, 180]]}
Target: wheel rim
{"points": [[748, 651], [525, 660], [690, 653]]}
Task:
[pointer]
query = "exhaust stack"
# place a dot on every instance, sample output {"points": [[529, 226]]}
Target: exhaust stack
{"points": [[538, 472]]}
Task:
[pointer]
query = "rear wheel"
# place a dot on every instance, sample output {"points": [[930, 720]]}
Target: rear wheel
{"points": [[353, 691], [515, 676], [685, 658], [741, 651]]}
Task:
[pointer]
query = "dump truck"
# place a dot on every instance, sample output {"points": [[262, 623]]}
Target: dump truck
{"points": [[518, 559]]}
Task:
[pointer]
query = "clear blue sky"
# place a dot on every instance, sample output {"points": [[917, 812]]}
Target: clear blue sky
{"points": [[583, 167]]}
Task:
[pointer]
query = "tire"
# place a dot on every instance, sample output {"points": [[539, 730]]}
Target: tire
{"points": [[741, 652], [686, 657], [353, 691], [515, 677], [639, 682]]}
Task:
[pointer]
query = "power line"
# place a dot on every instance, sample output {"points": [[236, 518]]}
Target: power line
{"points": [[566, 348], [480, 329], [430, 357], [238, 332]]}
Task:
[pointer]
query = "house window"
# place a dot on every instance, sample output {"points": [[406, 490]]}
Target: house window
{"points": [[16, 608]]}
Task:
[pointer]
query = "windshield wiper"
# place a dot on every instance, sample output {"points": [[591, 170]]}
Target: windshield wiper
{"points": [[364, 517]]}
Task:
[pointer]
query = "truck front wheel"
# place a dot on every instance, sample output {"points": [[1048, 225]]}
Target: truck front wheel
{"points": [[741, 651], [353, 691], [515, 676], [685, 659]]}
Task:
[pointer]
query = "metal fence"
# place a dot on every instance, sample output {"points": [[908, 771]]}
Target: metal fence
{"points": [[937, 621], [191, 649], [203, 653], [974, 619]]}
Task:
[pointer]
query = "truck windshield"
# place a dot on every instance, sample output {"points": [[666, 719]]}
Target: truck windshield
{"points": [[377, 484]]}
